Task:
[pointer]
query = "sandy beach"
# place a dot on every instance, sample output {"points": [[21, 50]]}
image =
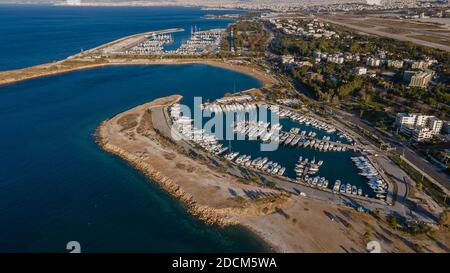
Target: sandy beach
{"points": [[12, 76]]}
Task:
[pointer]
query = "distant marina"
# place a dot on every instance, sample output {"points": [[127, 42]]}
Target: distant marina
{"points": [[262, 155], [87, 190]]}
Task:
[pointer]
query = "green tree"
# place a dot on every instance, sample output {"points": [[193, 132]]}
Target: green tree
{"points": [[393, 222]]}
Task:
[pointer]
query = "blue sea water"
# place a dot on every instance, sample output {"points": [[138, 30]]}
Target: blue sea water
{"points": [[31, 35], [56, 184]]}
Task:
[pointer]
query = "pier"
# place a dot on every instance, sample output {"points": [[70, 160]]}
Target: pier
{"points": [[120, 46]]}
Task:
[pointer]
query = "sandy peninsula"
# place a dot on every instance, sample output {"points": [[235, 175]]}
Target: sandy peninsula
{"points": [[73, 64], [211, 190]]}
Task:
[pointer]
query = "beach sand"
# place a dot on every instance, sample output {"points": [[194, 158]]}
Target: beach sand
{"points": [[12, 76], [289, 223]]}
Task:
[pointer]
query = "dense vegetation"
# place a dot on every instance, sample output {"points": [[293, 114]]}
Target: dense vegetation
{"points": [[336, 83], [250, 38]]}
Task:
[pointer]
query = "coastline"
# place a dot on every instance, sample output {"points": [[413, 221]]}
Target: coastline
{"points": [[209, 216], [287, 223], [202, 212], [311, 231], [221, 217], [266, 79]]}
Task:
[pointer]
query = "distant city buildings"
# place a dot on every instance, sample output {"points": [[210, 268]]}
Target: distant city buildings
{"points": [[419, 127], [335, 58], [312, 29], [395, 63], [289, 60]]}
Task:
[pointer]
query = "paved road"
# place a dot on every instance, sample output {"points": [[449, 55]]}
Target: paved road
{"points": [[409, 154]]}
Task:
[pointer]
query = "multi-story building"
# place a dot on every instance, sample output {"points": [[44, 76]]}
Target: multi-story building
{"points": [[417, 79], [335, 59], [405, 119], [419, 127], [395, 63], [422, 134], [419, 65], [435, 124]]}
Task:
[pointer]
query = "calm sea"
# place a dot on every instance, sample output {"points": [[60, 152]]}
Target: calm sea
{"points": [[56, 184], [31, 35]]}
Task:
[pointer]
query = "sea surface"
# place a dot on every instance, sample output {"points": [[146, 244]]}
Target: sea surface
{"points": [[31, 35], [56, 184]]}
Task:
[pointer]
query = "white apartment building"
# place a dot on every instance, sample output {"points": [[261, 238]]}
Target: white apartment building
{"points": [[435, 124], [419, 127], [395, 63], [422, 134]]}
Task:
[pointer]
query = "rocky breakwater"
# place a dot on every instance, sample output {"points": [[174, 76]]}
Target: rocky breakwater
{"points": [[123, 136]]}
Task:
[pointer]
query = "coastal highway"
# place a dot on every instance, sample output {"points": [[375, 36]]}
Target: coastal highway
{"points": [[424, 166]]}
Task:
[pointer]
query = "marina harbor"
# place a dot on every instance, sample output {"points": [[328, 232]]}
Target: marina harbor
{"points": [[156, 42], [308, 165], [257, 129]]}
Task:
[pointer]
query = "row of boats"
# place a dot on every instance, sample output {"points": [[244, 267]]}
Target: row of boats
{"points": [[345, 136], [305, 167], [259, 163], [184, 126], [260, 130], [375, 182], [154, 44], [201, 42], [209, 142], [304, 139], [257, 130], [302, 119], [317, 181], [346, 188], [310, 121], [232, 107]]}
